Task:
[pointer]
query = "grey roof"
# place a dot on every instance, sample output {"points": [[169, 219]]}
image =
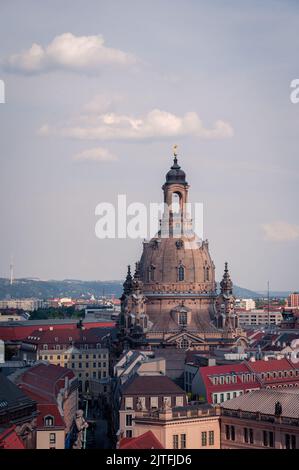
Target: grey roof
{"points": [[11, 395], [151, 385], [263, 401]]}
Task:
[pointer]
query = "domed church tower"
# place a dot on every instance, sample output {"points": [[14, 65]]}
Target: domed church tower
{"points": [[177, 276]]}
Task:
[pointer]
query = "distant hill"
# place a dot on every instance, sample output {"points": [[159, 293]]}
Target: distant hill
{"points": [[74, 288]]}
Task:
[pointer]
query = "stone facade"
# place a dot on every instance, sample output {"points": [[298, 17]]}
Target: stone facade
{"points": [[171, 300]]}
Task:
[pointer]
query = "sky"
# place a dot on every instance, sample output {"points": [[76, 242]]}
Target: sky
{"points": [[97, 93]]}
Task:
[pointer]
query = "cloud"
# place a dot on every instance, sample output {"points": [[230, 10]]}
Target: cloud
{"points": [[97, 154], [68, 52], [102, 103], [156, 124], [280, 231]]}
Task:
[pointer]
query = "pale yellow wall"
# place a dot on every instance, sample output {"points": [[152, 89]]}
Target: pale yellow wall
{"points": [[192, 428], [63, 358], [43, 439]]}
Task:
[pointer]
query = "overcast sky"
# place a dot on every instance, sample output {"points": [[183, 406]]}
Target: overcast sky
{"points": [[97, 92]]}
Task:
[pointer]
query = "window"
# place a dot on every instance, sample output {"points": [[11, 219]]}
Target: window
{"points": [[183, 441], [52, 438], [86, 356], [183, 318], [184, 344], [175, 441], [49, 421], [104, 373], [58, 357], [221, 380], [290, 441], [73, 365], [181, 273], [268, 439], [211, 438], [221, 397], [104, 364], [80, 365], [87, 365], [228, 396], [204, 439], [99, 375], [129, 433], [94, 364], [128, 420], [234, 394], [230, 432], [45, 357], [215, 398]]}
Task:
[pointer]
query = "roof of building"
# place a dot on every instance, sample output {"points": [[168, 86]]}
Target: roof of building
{"points": [[45, 380], [11, 395], [264, 400], [66, 336], [146, 441], [18, 330], [10, 440], [148, 385], [271, 365]]}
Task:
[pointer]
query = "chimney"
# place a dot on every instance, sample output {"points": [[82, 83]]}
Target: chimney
{"points": [[265, 358], [51, 328], [252, 359]]}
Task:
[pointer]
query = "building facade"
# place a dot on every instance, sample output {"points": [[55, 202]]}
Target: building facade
{"points": [[187, 427], [264, 419]]}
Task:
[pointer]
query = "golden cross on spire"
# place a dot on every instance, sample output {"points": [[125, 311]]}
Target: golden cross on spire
{"points": [[175, 148]]}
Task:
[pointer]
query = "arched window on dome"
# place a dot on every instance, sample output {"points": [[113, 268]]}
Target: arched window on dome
{"points": [[151, 274], [206, 273], [181, 273]]}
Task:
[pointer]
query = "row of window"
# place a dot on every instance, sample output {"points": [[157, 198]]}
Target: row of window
{"points": [[65, 346], [250, 377], [180, 441], [78, 356], [268, 437], [75, 365]]}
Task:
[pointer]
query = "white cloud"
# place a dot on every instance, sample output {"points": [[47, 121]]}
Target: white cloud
{"points": [[156, 124], [69, 52], [280, 231], [97, 154], [102, 103]]}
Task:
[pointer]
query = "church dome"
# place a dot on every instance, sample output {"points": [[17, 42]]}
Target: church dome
{"points": [[176, 174], [177, 264]]}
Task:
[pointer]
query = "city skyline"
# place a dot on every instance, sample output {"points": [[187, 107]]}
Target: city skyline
{"points": [[101, 122]]}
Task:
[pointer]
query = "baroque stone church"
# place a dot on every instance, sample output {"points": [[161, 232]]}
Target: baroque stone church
{"points": [[171, 300]]}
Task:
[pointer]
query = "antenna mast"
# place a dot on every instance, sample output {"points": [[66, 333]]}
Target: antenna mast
{"points": [[11, 270]]}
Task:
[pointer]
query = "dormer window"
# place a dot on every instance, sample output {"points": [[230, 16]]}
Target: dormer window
{"points": [[182, 318], [151, 274], [49, 421]]}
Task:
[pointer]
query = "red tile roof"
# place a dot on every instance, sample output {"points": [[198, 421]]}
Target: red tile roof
{"points": [[19, 332], [10, 440], [271, 365], [146, 441], [45, 380]]}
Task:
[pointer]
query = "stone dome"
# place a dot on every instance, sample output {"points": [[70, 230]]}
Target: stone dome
{"points": [[173, 264]]}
